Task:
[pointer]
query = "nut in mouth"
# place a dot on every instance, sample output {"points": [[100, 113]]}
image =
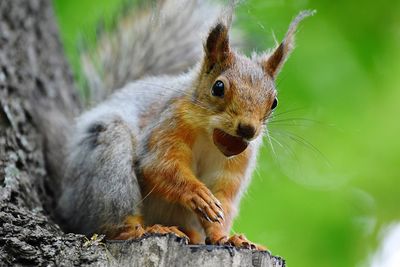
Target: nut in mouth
{"points": [[228, 144]]}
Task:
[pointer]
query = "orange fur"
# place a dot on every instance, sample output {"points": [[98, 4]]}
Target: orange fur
{"points": [[226, 190], [193, 235], [132, 228], [171, 178]]}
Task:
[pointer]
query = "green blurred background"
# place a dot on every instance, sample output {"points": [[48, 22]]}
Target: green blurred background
{"points": [[327, 179]]}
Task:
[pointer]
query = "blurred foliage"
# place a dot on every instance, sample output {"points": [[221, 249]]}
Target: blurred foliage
{"points": [[327, 178]]}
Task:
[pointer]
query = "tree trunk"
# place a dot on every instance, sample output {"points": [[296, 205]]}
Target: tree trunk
{"points": [[37, 100]]}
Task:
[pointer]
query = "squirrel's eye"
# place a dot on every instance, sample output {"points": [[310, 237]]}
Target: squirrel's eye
{"points": [[274, 104], [218, 89]]}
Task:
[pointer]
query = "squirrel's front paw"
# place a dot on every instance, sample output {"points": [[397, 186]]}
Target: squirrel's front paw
{"points": [[205, 204]]}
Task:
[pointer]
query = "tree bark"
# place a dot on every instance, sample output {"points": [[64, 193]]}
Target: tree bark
{"points": [[37, 101]]}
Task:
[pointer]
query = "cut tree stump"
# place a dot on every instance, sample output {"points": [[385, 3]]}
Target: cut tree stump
{"points": [[37, 97], [171, 251]]}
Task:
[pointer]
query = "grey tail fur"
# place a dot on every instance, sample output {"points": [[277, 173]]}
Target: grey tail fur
{"points": [[164, 38]]}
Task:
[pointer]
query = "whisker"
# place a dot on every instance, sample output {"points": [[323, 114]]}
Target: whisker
{"points": [[301, 122], [146, 196], [282, 144], [286, 147], [270, 142], [300, 140], [296, 119], [276, 141], [285, 125], [286, 112]]}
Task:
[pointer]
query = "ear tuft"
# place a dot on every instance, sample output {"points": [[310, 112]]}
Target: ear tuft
{"points": [[217, 45], [216, 37], [275, 61]]}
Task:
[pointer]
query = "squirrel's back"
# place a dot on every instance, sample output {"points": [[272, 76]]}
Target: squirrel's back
{"points": [[137, 103]]}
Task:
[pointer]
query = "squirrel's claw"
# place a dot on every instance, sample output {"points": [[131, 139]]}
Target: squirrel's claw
{"points": [[206, 205], [204, 214], [221, 215], [240, 241], [237, 241], [218, 203]]}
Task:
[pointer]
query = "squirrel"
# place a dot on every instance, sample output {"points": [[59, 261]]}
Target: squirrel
{"points": [[171, 152]]}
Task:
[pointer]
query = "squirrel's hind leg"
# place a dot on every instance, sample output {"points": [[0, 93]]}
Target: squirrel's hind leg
{"points": [[100, 188], [134, 229]]}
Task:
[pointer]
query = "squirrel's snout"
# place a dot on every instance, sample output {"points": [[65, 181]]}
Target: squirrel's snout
{"points": [[246, 131]]}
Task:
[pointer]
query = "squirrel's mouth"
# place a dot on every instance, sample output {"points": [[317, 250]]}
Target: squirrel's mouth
{"points": [[228, 144]]}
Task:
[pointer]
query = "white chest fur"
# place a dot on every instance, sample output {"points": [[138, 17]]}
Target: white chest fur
{"points": [[208, 161]]}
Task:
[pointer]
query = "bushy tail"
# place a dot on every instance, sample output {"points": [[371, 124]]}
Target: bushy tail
{"points": [[164, 38]]}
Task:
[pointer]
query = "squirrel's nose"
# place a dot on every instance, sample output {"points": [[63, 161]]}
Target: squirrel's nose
{"points": [[246, 131]]}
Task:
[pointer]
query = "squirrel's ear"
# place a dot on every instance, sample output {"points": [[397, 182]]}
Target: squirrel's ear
{"points": [[274, 62], [217, 48]]}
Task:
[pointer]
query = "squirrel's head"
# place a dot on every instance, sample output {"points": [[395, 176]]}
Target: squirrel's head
{"points": [[238, 92]]}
